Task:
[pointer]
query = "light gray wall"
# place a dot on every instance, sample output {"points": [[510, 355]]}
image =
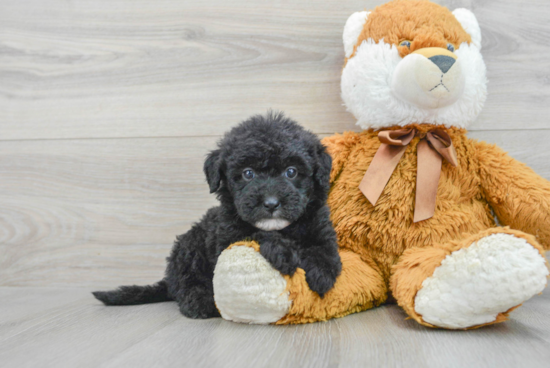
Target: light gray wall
{"points": [[108, 107]]}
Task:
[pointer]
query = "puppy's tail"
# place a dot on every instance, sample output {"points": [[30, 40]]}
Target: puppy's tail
{"points": [[131, 295]]}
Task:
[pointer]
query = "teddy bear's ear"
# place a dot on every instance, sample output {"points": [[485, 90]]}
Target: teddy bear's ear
{"points": [[352, 30], [469, 22]]}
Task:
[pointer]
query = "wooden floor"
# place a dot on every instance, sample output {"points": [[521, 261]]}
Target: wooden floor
{"points": [[44, 327], [107, 109]]}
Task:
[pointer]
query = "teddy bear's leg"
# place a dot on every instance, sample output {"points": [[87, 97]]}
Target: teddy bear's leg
{"points": [[247, 289], [470, 283]]}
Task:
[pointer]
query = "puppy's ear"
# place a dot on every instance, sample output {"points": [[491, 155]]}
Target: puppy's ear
{"points": [[324, 165], [213, 170]]}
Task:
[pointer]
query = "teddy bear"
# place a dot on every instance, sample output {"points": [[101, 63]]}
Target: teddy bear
{"points": [[451, 229]]}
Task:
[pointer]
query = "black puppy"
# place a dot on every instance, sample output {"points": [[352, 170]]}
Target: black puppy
{"points": [[272, 178]]}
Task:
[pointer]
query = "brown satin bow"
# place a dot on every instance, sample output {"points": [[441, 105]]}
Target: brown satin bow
{"points": [[430, 150]]}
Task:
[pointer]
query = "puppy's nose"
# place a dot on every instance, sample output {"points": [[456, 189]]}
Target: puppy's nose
{"points": [[271, 203]]}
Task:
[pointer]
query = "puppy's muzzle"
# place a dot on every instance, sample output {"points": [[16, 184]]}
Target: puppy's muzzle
{"points": [[272, 224], [272, 204]]}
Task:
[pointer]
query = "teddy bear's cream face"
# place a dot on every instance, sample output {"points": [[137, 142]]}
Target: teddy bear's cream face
{"points": [[429, 78], [424, 78]]}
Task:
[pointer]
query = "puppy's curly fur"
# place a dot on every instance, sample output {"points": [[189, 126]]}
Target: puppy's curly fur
{"points": [[268, 173]]}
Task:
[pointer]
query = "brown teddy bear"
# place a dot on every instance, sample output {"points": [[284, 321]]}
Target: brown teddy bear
{"points": [[413, 199]]}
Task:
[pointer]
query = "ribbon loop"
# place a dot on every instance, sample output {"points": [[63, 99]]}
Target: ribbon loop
{"points": [[431, 150], [400, 137], [442, 143]]}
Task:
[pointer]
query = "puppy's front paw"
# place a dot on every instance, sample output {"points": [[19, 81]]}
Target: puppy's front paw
{"points": [[279, 252], [320, 281], [281, 258], [321, 270]]}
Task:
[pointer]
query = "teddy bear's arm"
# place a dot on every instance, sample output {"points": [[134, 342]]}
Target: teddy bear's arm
{"points": [[338, 149], [519, 197]]}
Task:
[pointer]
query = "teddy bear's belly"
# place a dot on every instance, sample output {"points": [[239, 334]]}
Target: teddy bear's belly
{"points": [[383, 232]]}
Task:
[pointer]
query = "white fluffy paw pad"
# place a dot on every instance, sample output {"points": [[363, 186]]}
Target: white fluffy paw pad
{"points": [[248, 289], [473, 285]]}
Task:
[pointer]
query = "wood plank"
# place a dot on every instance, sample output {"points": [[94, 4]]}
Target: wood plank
{"points": [[117, 68], [530, 147], [104, 212], [83, 333], [82, 212]]}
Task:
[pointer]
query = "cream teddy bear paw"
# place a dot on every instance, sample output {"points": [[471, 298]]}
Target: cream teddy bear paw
{"points": [[473, 285], [248, 289]]}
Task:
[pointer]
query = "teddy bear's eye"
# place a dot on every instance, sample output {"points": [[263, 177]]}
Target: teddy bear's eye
{"points": [[450, 47], [248, 174], [405, 43]]}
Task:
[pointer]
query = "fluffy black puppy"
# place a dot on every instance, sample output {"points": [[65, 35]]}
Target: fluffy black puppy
{"points": [[272, 178]]}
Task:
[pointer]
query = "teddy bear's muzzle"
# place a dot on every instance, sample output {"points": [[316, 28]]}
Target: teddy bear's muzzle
{"points": [[429, 78]]}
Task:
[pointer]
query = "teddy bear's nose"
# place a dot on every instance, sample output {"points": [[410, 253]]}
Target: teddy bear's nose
{"points": [[444, 63]]}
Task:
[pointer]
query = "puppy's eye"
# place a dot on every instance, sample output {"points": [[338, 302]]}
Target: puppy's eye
{"points": [[405, 43], [291, 172], [450, 47], [248, 174]]}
